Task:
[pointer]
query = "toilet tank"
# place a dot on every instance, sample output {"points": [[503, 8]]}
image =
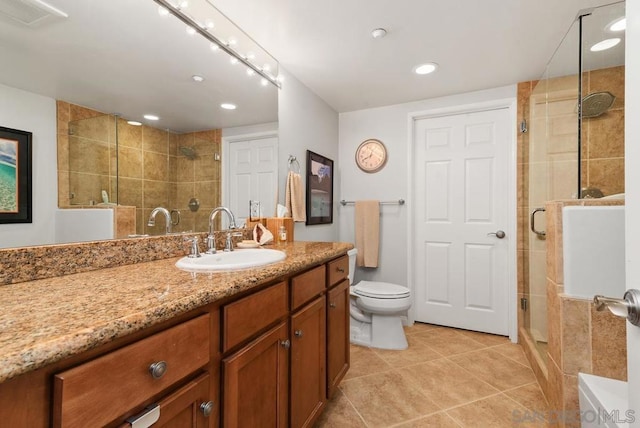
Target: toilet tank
{"points": [[352, 264]]}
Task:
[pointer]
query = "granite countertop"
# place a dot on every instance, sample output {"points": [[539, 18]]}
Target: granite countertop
{"points": [[47, 320]]}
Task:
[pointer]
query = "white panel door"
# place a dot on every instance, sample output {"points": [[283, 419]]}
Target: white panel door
{"points": [[460, 178], [253, 175]]}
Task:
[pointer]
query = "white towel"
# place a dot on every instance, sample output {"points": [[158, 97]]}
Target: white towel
{"points": [[367, 233], [294, 197]]}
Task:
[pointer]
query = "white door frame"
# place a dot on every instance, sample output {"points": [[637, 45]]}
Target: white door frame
{"points": [[225, 157], [511, 227]]}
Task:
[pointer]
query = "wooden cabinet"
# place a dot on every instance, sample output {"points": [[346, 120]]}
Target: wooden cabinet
{"points": [[188, 407], [99, 391], [308, 362], [338, 356], [255, 378]]}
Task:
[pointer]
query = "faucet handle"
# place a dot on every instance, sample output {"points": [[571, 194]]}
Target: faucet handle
{"points": [[195, 251]]}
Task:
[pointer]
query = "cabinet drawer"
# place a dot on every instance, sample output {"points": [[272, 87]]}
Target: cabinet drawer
{"points": [[248, 316], [100, 390], [338, 270], [306, 286]]}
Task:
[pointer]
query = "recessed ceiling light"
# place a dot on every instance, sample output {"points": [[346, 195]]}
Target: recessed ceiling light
{"points": [[151, 117], [426, 68], [197, 78], [228, 106], [619, 24], [264, 82], [214, 47], [378, 33], [134, 123], [605, 44]]}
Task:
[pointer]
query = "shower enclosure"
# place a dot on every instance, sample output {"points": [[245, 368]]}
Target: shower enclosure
{"points": [[142, 167], [574, 143]]}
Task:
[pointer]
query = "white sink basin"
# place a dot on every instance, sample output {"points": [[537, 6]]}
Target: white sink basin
{"points": [[233, 260]]}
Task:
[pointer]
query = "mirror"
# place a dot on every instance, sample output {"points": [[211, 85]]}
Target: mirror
{"points": [[111, 62]]}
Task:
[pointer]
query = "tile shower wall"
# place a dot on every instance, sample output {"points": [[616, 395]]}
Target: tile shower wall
{"points": [[581, 339], [151, 169], [602, 167]]}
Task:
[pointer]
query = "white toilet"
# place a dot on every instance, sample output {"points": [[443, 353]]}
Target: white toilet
{"points": [[376, 311]]}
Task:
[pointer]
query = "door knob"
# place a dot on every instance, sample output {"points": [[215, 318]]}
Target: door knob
{"points": [[628, 307], [498, 234]]}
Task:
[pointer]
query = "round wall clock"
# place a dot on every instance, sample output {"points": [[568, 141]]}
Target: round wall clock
{"points": [[371, 155]]}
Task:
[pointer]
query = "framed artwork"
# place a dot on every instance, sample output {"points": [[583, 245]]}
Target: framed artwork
{"points": [[15, 176], [319, 189]]}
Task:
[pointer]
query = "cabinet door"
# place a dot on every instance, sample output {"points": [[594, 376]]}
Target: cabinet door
{"points": [[256, 380], [338, 335], [308, 362], [188, 407]]}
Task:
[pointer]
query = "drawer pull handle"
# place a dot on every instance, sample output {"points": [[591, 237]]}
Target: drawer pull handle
{"points": [[298, 333], [207, 408], [339, 269], [145, 419], [158, 369], [286, 344], [332, 305]]}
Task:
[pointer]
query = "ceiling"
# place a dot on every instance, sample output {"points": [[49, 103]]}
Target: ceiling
{"points": [[477, 44], [121, 56]]}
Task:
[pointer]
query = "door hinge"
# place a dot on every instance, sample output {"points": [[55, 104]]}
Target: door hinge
{"points": [[524, 303]]}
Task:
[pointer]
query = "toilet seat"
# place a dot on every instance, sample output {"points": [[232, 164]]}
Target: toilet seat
{"points": [[381, 290]]}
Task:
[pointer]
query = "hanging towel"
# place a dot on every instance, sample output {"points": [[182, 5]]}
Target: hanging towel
{"points": [[294, 197], [367, 233]]}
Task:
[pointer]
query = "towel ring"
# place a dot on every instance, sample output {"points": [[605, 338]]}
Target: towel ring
{"points": [[292, 160]]}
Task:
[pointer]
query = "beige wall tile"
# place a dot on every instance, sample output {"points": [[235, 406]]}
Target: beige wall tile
{"points": [[63, 113], [185, 169], [129, 162], [130, 192], [173, 144], [63, 152], [77, 112], [63, 189], [606, 135], [554, 393], [87, 187], [154, 194], [607, 175], [155, 140], [609, 345], [576, 339], [94, 128], [88, 156], [156, 166], [554, 322], [611, 80], [207, 193], [129, 135], [206, 168], [125, 221]]}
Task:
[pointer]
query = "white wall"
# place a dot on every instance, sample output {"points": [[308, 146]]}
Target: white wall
{"points": [[391, 126], [632, 188], [37, 114], [307, 123]]}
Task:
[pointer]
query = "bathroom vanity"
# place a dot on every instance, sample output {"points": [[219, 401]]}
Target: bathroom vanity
{"points": [[133, 344]]}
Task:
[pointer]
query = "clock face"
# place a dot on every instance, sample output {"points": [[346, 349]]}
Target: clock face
{"points": [[371, 155]]}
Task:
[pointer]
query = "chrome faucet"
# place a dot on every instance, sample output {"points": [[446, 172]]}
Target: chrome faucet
{"points": [[167, 216], [211, 242]]}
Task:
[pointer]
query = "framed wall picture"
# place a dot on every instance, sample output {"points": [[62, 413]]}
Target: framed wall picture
{"points": [[15, 176], [319, 189]]}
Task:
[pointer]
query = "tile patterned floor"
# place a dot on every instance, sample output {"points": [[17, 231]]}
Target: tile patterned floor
{"points": [[447, 378]]}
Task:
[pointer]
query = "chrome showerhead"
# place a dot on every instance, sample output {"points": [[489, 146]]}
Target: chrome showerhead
{"points": [[593, 105], [188, 152]]}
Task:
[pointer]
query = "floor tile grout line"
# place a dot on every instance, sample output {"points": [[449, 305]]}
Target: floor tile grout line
{"points": [[355, 409]]}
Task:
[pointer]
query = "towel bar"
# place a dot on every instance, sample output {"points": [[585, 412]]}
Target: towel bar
{"points": [[398, 202]]}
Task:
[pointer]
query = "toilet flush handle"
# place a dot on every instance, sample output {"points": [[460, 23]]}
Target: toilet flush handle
{"points": [[628, 307]]}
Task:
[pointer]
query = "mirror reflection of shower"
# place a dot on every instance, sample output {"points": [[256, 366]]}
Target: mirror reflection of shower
{"points": [[188, 152]]}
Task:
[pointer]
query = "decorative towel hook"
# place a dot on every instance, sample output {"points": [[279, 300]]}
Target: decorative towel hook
{"points": [[293, 160]]}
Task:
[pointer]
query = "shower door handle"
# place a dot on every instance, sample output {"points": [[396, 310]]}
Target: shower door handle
{"points": [[533, 222], [498, 234]]}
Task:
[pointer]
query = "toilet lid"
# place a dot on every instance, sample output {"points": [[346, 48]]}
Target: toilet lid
{"points": [[381, 290]]}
